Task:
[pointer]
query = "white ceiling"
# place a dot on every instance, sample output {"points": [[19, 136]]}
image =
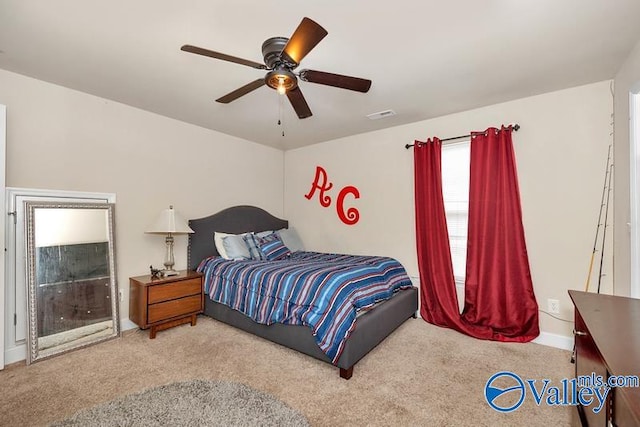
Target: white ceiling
{"points": [[426, 58]]}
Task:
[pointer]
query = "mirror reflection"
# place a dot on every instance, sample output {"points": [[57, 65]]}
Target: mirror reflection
{"points": [[71, 277]]}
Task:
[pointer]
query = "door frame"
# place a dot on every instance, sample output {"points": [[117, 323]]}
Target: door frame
{"points": [[3, 216], [634, 143]]}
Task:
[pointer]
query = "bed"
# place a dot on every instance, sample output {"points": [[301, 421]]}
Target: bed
{"points": [[370, 328]]}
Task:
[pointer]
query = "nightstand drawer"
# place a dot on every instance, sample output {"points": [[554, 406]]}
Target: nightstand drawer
{"points": [[173, 308], [174, 290]]}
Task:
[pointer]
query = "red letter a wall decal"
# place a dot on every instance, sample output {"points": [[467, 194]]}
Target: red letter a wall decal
{"points": [[320, 183]]}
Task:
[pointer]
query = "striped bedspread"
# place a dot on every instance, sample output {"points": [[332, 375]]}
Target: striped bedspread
{"points": [[322, 291]]}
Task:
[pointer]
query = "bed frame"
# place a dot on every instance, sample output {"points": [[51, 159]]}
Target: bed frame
{"points": [[371, 327]]}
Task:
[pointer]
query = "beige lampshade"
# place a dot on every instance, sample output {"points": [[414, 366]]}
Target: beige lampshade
{"points": [[169, 221]]}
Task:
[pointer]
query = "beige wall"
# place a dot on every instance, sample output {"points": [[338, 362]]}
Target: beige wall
{"points": [[561, 153], [627, 80], [67, 140]]}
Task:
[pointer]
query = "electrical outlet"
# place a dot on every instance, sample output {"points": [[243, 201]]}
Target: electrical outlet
{"points": [[553, 306]]}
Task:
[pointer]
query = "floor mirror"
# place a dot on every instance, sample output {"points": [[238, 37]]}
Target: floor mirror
{"points": [[71, 277]]}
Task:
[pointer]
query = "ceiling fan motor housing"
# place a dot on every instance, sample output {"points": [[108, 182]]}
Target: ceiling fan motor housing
{"points": [[272, 49]]}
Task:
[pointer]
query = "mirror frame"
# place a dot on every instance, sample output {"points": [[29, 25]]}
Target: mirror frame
{"points": [[33, 352]]}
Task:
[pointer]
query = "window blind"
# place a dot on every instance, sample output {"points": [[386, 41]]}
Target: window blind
{"points": [[455, 191]]}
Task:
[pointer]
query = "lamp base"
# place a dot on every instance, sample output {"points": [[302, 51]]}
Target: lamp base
{"points": [[169, 261], [170, 273]]}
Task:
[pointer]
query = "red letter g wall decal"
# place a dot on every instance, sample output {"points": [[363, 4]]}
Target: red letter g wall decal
{"points": [[321, 182], [321, 174], [352, 215]]}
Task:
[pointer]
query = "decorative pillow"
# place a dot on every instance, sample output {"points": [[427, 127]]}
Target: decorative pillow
{"points": [[290, 238], [235, 247], [251, 240], [273, 249]]}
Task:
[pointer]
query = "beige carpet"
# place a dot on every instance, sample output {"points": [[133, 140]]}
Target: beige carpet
{"points": [[421, 375]]}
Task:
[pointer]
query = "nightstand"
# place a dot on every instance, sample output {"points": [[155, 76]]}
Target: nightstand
{"points": [[162, 303]]}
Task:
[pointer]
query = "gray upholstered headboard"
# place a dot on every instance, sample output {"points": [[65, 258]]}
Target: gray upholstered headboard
{"points": [[235, 220]]}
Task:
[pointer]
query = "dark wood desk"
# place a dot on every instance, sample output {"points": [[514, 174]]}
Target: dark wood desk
{"points": [[607, 342]]}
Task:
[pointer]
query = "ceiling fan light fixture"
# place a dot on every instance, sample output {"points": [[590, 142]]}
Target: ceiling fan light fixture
{"points": [[281, 80]]}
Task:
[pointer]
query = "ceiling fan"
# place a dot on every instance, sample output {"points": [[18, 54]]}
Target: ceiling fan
{"points": [[281, 56]]}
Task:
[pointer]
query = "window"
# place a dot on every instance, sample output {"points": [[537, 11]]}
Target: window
{"points": [[455, 190]]}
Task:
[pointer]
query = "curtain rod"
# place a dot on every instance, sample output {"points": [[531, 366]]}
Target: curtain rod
{"points": [[516, 127]]}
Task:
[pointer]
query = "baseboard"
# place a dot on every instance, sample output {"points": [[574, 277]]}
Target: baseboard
{"points": [[126, 324], [555, 340]]}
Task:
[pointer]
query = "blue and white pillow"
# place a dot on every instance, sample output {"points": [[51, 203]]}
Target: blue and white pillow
{"points": [[251, 240], [273, 249]]}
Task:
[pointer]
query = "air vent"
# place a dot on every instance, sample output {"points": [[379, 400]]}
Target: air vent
{"points": [[381, 114]]}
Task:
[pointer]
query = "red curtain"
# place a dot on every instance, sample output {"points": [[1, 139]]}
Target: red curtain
{"points": [[499, 299], [498, 287]]}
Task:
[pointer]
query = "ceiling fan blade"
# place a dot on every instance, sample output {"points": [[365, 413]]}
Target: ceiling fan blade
{"points": [[299, 103], [222, 56], [336, 80], [304, 38], [232, 96]]}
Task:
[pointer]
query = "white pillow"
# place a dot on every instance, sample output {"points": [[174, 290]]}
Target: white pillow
{"points": [[217, 238], [291, 240]]}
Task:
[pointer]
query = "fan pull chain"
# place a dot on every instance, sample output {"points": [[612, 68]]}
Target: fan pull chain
{"points": [[280, 118]]}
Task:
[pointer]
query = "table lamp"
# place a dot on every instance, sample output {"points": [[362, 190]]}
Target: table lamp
{"points": [[169, 222]]}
